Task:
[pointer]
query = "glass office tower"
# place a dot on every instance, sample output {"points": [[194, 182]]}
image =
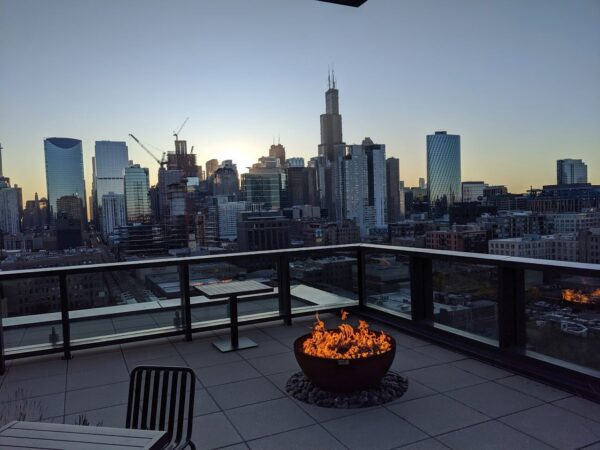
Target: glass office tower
{"points": [[443, 170], [64, 170], [137, 201], [110, 160], [571, 171]]}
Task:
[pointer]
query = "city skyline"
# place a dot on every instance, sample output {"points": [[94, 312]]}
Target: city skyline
{"points": [[528, 95]]}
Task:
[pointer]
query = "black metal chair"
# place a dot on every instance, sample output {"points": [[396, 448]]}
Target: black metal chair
{"points": [[162, 398]]}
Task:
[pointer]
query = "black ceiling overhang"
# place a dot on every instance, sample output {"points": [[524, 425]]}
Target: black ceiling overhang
{"points": [[355, 3]]}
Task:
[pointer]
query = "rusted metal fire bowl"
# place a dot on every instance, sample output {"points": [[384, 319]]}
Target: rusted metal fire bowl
{"points": [[344, 375]]}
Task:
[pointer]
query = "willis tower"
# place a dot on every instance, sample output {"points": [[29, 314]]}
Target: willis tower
{"points": [[331, 153]]}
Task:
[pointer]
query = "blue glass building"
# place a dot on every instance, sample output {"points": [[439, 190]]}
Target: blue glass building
{"points": [[443, 170], [64, 170]]}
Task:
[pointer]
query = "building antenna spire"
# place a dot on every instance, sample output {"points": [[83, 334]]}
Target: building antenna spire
{"points": [[333, 76], [329, 77]]}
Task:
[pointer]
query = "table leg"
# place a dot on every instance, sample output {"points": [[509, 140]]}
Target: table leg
{"points": [[235, 342]]}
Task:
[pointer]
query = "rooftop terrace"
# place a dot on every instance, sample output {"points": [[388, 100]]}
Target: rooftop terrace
{"points": [[500, 352], [453, 401]]}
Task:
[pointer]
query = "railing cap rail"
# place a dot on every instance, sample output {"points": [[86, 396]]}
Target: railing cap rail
{"points": [[464, 257]]}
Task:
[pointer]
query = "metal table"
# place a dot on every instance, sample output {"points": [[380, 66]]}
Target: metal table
{"points": [[231, 291], [45, 435]]}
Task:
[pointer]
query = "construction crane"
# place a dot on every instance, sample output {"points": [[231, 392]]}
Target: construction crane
{"points": [[176, 133], [161, 162]]}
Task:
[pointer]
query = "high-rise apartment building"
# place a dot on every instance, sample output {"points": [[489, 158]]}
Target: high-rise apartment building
{"points": [[10, 221], [364, 185], [298, 185], [227, 219], [113, 213], [64, 170], [137, 201], [356, 192], [443, 170], [377, 180], [392, 166], [108, 166], [571, 171], [174, 211]]}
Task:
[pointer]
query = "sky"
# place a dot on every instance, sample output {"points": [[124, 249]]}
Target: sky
{"points": [[518, 80]]}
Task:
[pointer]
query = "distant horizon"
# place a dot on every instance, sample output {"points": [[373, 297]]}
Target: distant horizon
{"points": [[521, 93]]}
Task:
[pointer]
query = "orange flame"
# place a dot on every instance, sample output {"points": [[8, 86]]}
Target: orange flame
{"points": [[346, 342], [573, 296]]}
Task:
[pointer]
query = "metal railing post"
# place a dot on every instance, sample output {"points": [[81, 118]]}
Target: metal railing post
{"points": [[2, 361], [511, 308], [64, 315], [421, 289], [361, 274], [184, 289], [285, 298]]}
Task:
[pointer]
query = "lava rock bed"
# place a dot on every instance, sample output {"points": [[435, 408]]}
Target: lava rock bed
{"points": [[392, 386]]}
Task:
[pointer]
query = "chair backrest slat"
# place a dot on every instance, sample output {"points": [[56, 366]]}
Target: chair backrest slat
{"points": [[158, 375], [144, 418], [173, 402], [181, 407], [159, 400], [163, 400]]}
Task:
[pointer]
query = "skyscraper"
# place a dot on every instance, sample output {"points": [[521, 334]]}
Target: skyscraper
{"points": [[392, 166], [180, 159], [331, 153], [113, 213], [226, 180], [9, 209], [356, 192], [278, 151], [377, 183], [211, 166], [64, 170], [265, 184], [137, 201], [109, 163], [571, 171], [443, 170], [364, 185]]}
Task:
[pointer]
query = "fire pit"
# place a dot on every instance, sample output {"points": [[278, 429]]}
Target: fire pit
{"points": [[347, 367], [345, 359]]}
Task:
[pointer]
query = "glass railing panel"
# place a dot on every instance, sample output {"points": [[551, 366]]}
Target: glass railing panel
{"points": [[31, 314], [323, 280], [122, 303], [253, 279], [563, 316], [387, 282], [465, 297]]}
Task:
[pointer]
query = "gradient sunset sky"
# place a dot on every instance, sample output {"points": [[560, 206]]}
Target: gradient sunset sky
{"points": [[519, 80]]}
